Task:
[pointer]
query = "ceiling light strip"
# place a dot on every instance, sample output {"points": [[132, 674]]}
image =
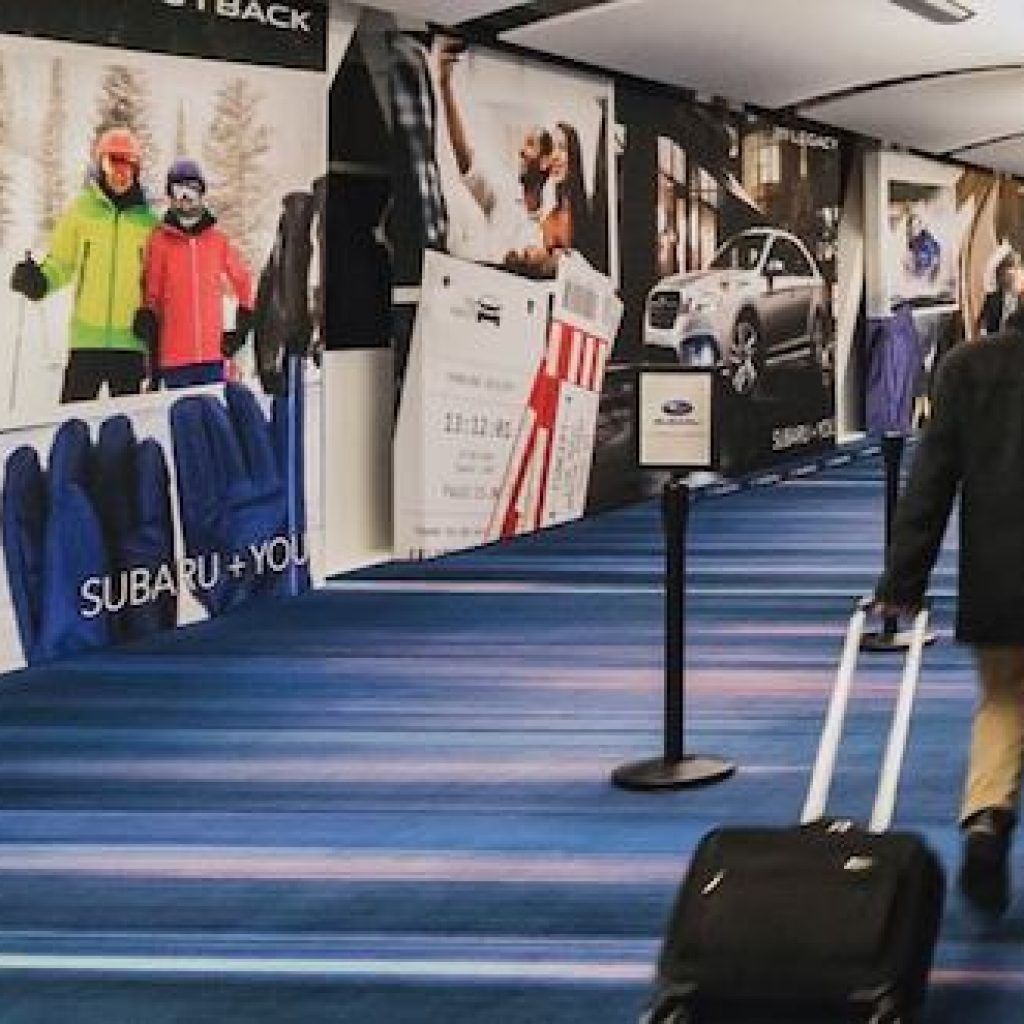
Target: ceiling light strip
{"points": [[942, 12], [849, 92], [984, 143]]}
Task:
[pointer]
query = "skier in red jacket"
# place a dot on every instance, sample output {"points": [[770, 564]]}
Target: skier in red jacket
{"points": [[188, 260]]}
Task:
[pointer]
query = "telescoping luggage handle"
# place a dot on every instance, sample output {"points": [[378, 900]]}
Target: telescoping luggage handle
{"points": [[828, 748]]}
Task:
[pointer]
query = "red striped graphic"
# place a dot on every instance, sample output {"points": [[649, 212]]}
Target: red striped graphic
{"points": [[573, 357]]}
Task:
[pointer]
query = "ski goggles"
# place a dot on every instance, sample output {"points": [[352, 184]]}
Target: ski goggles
{"points": [[186, 191], [121, 161], [117, 169]]}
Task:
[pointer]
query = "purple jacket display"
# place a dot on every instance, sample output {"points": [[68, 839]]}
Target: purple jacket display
{"points": [[893, 365]]}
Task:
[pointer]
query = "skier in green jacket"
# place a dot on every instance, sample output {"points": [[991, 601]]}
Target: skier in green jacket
{"points": [[98, 245]]}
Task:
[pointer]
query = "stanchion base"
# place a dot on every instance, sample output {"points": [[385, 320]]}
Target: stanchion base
{"points": [[888, 642], [658, 773]]}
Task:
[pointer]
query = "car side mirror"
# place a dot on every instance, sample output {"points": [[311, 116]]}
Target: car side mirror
{"points": [[772, 270]]}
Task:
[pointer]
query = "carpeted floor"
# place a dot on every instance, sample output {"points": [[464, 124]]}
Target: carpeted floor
{"points": [[389, 801]]}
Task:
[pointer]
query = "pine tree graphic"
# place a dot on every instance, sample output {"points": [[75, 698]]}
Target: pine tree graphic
{"points": [[234, 150], [52, 181], [124, 103], [5, 140], [181, 132]]}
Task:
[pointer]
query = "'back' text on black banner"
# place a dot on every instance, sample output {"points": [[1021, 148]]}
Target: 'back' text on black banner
{"points": [[292, 35]]}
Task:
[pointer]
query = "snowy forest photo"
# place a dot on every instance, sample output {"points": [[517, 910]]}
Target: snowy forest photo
{"points": [[257, 133]]}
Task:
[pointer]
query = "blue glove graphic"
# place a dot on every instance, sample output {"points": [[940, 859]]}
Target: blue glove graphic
{"points": [[131, 491], [95, 513], [53, 543], [232, 487]]}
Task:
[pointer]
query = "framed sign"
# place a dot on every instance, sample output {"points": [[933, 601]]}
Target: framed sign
{"points": [[675, 426]]}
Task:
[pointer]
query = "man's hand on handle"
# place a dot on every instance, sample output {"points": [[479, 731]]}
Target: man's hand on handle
{"points": [[887, 609]]}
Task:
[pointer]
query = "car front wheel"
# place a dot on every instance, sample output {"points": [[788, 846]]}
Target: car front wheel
{"points": [[745, 364]]}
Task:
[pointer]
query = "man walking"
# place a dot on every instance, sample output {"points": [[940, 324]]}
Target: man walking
{"points": [[974, 445]]}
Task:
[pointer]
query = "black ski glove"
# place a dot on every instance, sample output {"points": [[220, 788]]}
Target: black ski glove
{"points": [[233, 341], [28, 279], [274, 382], [146, 327]]}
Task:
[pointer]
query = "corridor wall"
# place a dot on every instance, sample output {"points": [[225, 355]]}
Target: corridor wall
{"points": [[160, 419], [718, 228], [935, 233]]}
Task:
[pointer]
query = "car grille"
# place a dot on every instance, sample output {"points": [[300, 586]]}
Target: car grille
{"points": [[664, 309]]}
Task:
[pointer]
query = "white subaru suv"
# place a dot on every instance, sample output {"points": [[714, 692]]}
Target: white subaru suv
{"points": [[762, 301]]}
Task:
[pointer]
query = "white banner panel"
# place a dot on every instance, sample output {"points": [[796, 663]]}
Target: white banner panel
{"points": [[477, 343]]}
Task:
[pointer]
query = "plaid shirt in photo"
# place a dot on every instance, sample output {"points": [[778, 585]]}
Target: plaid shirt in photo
{"points": [[415, 115]]}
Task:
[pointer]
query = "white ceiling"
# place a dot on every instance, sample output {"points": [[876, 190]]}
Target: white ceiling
{"points": [[797, 53], [1003, 156], [938, 115], [777, 52], [444, 12]]}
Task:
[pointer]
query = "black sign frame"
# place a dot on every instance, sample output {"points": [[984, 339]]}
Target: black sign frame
{"points": [[643, 373]]}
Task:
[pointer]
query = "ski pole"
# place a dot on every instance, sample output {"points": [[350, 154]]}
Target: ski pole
{"points": [[56, 357], [293, 368], [19, 339]]}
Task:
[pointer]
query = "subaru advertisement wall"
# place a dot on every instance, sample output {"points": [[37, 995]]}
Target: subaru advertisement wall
{"points": [[944, 263], [922, 251], [716, 233], [728, 230], [504, 261], [161, 289]]}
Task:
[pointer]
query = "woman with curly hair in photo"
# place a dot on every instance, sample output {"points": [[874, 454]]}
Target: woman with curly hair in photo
{"points": [[569, 223]]}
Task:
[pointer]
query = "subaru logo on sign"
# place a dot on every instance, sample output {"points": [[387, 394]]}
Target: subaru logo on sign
{"points": [[677, 407]]}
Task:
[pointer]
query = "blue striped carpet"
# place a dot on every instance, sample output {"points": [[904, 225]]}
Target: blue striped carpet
{"points": [[389, 801]]}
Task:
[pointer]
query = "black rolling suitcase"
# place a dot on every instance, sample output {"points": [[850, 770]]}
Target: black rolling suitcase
{"points": [[825, 921]]}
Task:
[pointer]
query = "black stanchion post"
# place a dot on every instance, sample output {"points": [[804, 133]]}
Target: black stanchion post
{"points": [[675, 769], [675, 521], [891, 638], [892, 455]]}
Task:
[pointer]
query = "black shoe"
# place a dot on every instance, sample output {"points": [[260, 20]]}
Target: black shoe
{"points": [[985, 874]]}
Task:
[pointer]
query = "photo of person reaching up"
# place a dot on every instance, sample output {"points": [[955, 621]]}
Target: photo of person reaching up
{"points": [[514, 214], [98, 244], [188, 261]]}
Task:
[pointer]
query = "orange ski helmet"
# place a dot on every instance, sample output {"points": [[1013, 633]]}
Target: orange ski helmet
{"points": [[119, 144]]}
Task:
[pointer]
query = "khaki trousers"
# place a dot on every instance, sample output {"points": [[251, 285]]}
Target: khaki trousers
{"points": [[997, 736]]}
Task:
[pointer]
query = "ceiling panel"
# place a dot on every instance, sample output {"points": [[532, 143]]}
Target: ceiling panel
{"points": [[445, 12], [865, 54], [777, 53], [1007, 156], [938, 115]]}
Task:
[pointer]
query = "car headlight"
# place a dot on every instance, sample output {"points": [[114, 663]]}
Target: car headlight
{"points": [[706, 302]]}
